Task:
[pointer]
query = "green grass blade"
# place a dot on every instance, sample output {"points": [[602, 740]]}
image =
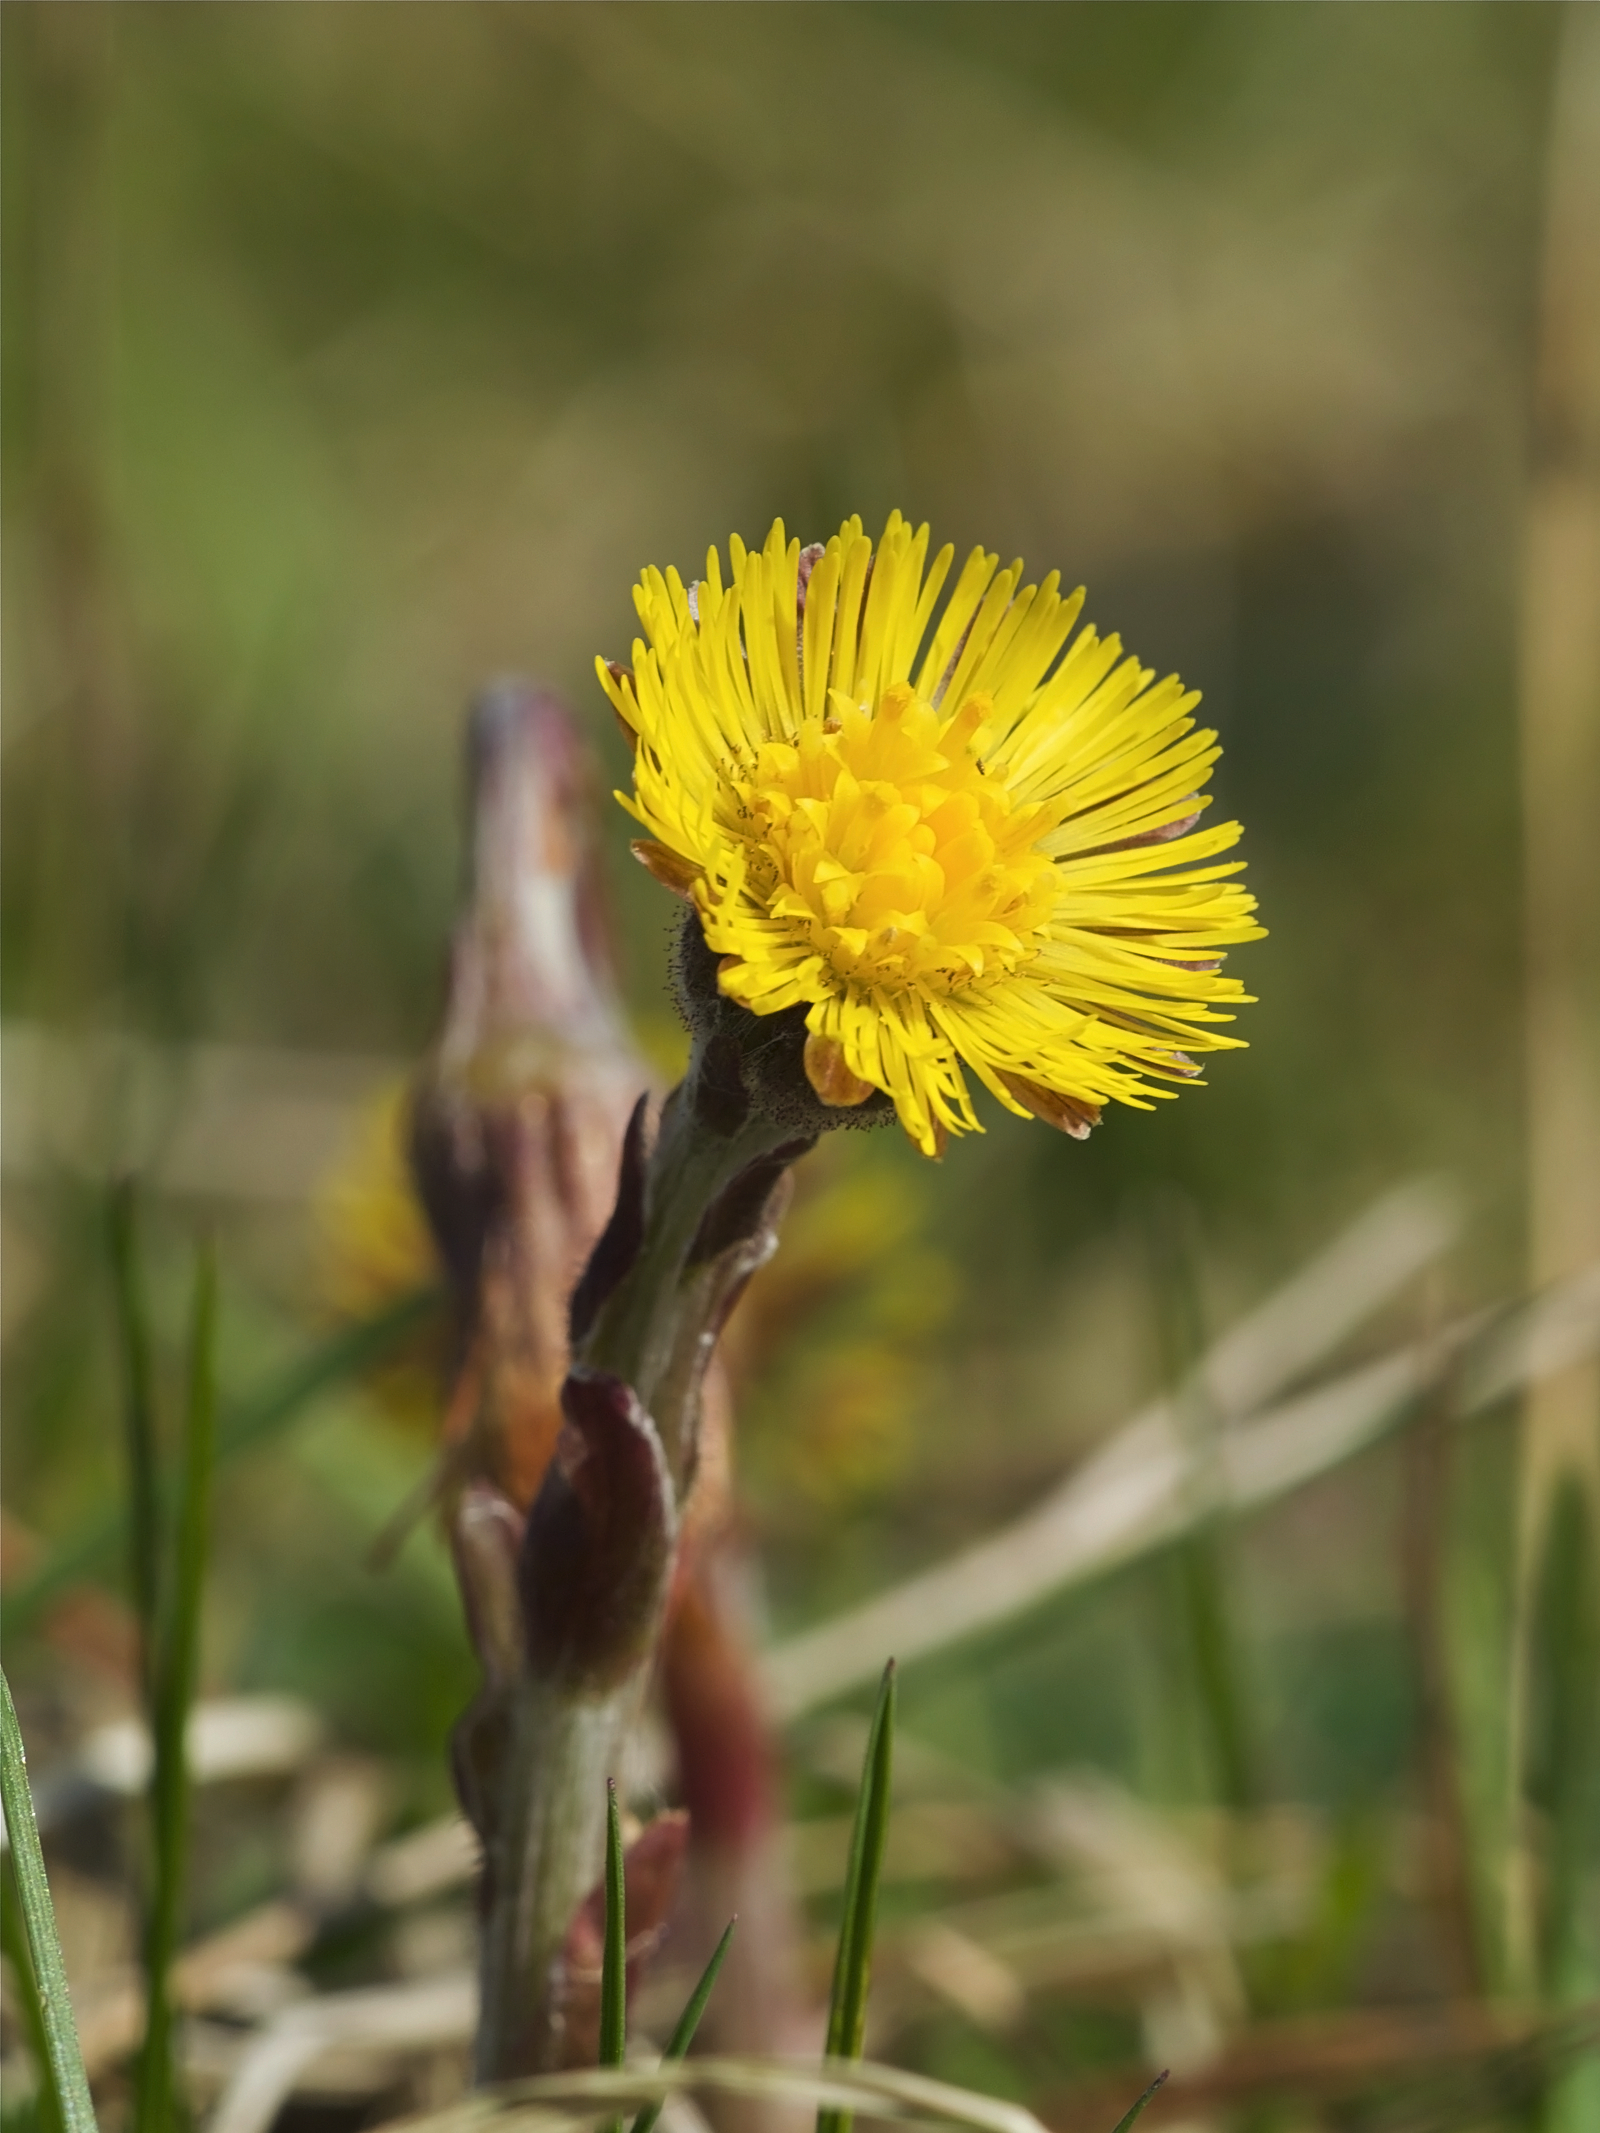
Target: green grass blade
{"points": [[1214, 1658], [1563, 1751], [157, 2103], [852, 1969], [1128, 2117], [257, 1417], [139, 1423], [350, 1352], [14, 1946], [614, 1959], [614, 1962], [1216, 1666], [139, 1426], [62, 2065], [688, 2022]]}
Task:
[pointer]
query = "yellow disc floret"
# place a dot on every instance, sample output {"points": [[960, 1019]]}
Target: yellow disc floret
{"points": [[881, 838], [973, 851]]}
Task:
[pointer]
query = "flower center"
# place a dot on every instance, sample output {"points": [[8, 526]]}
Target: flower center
{"points": [[882, 840]]}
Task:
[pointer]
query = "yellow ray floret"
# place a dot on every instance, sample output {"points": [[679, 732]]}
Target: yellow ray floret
{"points": [[958, 842]]}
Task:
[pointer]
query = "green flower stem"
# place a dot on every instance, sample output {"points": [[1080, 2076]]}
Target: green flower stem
{"points": [[564, 1740], [540, 1864], [656, 1329]]}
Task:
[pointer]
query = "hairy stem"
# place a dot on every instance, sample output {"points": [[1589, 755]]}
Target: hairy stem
{"points": [[540, 1865], [707, 1195], [661, 1320]]}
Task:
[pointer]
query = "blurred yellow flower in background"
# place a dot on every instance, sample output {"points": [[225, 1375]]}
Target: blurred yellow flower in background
{"points": [[374, 1247], [834, 1347], [374, 1235], [985, 859]]}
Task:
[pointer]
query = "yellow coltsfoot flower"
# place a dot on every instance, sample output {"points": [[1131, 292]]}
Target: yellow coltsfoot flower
{"points": [[962, 843]]}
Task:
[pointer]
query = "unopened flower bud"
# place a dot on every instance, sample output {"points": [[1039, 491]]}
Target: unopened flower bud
{"points": [[519, 1110]]}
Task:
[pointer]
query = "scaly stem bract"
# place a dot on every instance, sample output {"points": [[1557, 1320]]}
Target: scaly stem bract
{"points": [[654, 1332]]}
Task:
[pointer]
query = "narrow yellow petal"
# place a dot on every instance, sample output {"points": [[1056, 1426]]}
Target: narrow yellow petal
{"points": [[965, 841]]}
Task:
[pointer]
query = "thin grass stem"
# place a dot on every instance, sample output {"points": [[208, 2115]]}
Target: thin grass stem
{"points": [[158, 2105], [14, 1946], [139, 1425], [254, 1419], [1200, 1568], [852, 1970], [614, 1960], [688, 2022], [61, 2067], [1130, 2116]]}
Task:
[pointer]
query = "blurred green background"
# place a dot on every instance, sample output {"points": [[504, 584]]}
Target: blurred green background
{"points": [[353, 355]]}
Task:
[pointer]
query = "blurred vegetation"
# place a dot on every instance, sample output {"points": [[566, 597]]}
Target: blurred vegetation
{"points": [[354, 355]]}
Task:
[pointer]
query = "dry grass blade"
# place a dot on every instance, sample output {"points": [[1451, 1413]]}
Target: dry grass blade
{"points": [[1398, 1237], [1541, 1340], [1138, 1493], [1098, 1515], [1430, 2064], [555, 2102], [411, 2017]]}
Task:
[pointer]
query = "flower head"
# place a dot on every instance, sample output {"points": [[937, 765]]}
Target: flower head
{"points": [[957, 841]]}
